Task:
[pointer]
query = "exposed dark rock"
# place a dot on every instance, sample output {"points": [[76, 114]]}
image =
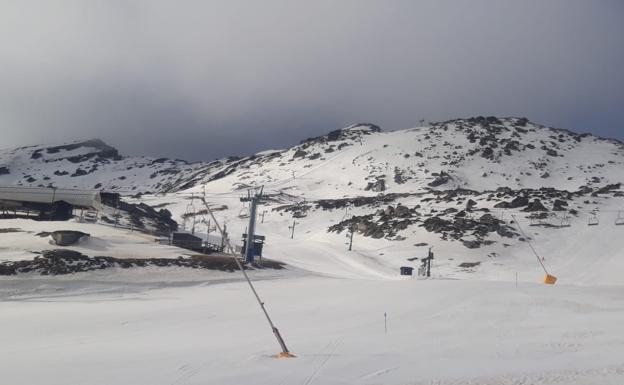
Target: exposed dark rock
{"points": [[517, 202], [102, 151], [379, 185], [399, 176], [441, 179], [401, 211], [10, 230], [375, 201], [345, 133], [79, 172], [536, 205], [607, 189], [468, 265], [488, 153], [299, 154], [63, 261], [551, 152], [472, 244], [560, 205]]}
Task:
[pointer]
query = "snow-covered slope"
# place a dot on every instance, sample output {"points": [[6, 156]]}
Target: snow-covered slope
{"points": [[455, 186], [92, 164], [476, 153], [460, 187]]}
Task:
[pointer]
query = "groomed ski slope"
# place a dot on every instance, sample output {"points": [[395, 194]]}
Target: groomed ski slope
{"points": [[183, 326], [438, 332]]}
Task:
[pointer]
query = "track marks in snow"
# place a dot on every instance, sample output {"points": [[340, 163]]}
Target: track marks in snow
{"points": [[610, 375], [378, 373], [190, 372], [334, 346]]}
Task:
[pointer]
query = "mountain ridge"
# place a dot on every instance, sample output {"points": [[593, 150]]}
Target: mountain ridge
{"points": [[444, 155]]}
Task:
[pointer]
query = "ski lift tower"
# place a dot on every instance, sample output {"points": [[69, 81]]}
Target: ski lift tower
{"points": [[425, 268], [251, 227]]}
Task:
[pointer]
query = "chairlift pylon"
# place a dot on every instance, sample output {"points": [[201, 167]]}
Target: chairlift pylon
{"points": [[188, 213]]}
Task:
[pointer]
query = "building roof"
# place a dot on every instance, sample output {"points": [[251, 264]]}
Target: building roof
{"points": [[80, 198]]}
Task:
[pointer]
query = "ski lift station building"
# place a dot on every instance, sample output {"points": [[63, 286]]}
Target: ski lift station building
{"points": [[44, 199]]}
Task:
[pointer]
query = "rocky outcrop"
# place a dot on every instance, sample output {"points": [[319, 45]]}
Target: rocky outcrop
{"points": [[63, 261]]}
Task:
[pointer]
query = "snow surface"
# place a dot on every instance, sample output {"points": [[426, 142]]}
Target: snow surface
{"points": [[185, 326], [493, 323], [439, 332], [103, 241]]}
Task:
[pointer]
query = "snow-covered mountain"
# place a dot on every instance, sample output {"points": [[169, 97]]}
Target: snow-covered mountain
{"points": [[477, 154], [460, 187], [454, 185], [93, 164]]}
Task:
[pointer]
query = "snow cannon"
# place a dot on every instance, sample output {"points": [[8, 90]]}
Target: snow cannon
{"points": [[550, 279]]}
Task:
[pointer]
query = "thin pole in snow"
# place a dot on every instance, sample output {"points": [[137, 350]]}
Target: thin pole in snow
{"points": [[385, 323], [516, 279], [539, 259], [116, 212], [351, 237], [292, 234]]}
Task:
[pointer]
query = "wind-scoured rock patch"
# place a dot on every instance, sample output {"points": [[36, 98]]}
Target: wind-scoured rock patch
{"points": [[63, 261]]}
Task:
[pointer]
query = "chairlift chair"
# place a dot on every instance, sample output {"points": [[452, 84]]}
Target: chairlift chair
{"points": [[244, 213], [593, 219], [565, 221], [619, 221]]}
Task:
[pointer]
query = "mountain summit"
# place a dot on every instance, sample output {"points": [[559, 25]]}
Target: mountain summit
{"points": [[480, 153]]}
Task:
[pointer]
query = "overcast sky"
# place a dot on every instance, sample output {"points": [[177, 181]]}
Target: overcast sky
{"points": [[204, 79]]}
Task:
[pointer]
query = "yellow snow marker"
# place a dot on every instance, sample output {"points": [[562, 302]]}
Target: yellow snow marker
{"points": [[550, 279], [282, 355]]}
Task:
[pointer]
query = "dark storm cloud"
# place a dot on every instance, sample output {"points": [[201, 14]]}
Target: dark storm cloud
{"points": [[202, 79]]}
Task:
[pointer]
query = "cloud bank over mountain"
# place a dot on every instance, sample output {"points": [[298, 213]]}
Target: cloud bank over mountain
{"points": [[200, 80]]}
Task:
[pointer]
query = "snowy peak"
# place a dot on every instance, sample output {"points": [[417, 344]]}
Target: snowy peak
{"points": [[76, 152], [363, 127], [487, 153], [479, 153], [354, 131], [502, 136], [90, 164]]}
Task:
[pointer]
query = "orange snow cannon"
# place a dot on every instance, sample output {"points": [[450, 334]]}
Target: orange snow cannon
{"points": [[550, 279]]}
